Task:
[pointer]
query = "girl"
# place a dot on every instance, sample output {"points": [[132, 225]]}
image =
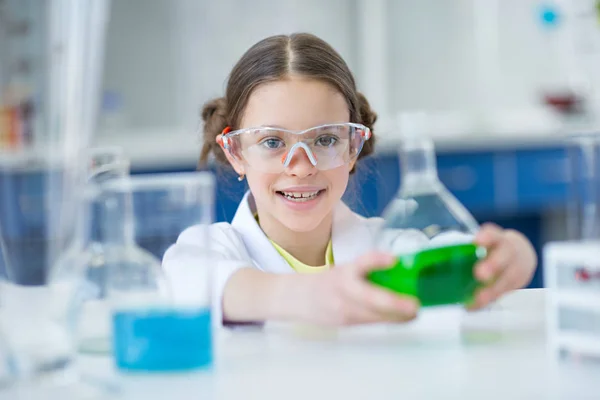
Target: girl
{"points": [[294, 125]]}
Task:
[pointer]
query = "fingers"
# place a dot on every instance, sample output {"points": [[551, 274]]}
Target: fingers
{"points": [[509, 280], [343, 296], [510, 265], [379, 303], [489, 235], [497, 260], [386, 302], [494, 270], [373, 261], [524, 252]]}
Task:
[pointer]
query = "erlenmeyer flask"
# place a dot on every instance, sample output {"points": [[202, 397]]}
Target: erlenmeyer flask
{"points": [[155, 329], [430, 231], [84, 263]]}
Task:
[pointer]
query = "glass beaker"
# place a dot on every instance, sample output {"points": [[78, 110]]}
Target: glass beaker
{"points": [[584, 186], [3, 257], [38, 225], [428, 229], [155, 329]]}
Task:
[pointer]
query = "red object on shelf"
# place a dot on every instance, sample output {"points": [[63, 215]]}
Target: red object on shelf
{"points": [[14, 132], [564, 102], [4, 127], [583, 274]]}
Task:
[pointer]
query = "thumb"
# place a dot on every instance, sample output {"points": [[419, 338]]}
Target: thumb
{"points": [[372, 261], [489, 235]]}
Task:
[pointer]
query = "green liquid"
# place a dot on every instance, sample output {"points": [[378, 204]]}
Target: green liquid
{"points": [[437, 276]]}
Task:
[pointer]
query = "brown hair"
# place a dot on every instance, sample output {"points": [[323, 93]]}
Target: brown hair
{"points": [[274, 58]]}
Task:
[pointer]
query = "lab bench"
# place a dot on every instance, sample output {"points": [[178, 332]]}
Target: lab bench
{"points": [[443, 354]]}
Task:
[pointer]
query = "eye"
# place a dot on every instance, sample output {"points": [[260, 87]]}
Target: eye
{"points": [[272, 143], [326, 140]]}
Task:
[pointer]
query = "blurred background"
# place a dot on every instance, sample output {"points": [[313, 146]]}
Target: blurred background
{"points": [[502, 80]]}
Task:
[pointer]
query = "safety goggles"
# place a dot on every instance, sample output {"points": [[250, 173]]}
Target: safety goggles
{"points": [[271, 150]]}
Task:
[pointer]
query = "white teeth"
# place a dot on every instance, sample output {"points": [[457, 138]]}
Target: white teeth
{"points": [[300, 196]]}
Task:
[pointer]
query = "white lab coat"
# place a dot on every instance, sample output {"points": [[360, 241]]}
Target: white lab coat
{"points": [[243, 244]]}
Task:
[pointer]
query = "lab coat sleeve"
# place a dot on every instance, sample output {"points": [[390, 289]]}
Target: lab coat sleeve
{"points": [[212, 252]]}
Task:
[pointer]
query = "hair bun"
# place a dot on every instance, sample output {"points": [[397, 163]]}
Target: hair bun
{"points": [[368, 117], [214, 115], [214, 108]]}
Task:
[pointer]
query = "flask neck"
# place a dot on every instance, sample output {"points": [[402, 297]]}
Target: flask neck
{"points": [[83, 213], [118, 219], [418, 166]]}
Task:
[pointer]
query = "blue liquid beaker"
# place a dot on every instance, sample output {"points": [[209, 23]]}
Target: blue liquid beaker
{"points": [[153, 330]]}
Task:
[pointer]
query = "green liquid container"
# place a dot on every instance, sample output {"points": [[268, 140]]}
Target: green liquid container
{"points": [[426, 226], [436, 276]]}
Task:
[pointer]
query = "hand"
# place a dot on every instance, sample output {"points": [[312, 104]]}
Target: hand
{"points": [[509, 265], [343, 296]]}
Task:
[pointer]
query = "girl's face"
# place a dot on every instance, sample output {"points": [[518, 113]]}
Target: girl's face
{"points": [[295, 104]]}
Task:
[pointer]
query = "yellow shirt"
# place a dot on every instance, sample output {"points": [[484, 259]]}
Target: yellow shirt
{"points": [[299, 266], [302, 268]]}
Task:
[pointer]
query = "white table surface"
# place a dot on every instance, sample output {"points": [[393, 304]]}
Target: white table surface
{"points": [[496, 354]]}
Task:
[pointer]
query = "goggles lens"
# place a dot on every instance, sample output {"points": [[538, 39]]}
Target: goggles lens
{"points": [[273, 149]]}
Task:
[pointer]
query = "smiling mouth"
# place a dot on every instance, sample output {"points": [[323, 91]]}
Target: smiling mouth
{"points": [[300, 197]]}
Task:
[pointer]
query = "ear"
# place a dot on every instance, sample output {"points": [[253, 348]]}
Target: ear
{"points": [[235, 164], [352, 165]]}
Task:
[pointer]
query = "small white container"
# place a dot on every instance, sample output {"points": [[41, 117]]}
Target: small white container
{"points": [[572, 276]]}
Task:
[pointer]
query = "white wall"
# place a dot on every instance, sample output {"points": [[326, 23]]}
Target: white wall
{"points": [[141, 63], [163, 52], [166, 57], [223, 30], [454, 54]]}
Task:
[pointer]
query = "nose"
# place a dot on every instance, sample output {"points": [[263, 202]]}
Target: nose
{"points": [[303, 164]]}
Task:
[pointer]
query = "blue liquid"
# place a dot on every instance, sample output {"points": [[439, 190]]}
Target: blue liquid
{"points": [[161, 340]]}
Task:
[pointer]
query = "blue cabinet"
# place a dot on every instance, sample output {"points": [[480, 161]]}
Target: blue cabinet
{"points": [[24, 212], [512, 187], [470, 177], [542, 180], [487, 182], [21, 203]]}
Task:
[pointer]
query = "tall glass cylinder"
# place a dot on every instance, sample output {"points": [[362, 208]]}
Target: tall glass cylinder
{"points": [[51, 56], [584, 186]]}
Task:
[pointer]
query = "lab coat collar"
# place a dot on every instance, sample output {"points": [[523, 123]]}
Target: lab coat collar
{"points": [[263, 253], [352, 234], [351, 237]]}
